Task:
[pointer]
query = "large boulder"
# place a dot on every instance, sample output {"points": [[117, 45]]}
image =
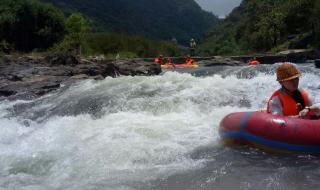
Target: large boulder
{"points": [[27, 77], [215, 61], [62, 59], [137, 67]]}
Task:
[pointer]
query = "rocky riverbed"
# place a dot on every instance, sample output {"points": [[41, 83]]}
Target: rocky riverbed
{"points": [[28, 77]]}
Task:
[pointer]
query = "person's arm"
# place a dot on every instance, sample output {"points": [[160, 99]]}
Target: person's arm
{"points": [[313, 110], [275, 106]]}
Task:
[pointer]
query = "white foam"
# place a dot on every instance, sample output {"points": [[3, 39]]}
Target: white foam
{"points": [[148, 128]]}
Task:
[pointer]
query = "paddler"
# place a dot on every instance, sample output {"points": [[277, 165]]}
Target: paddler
{"points": [[159, 60]]}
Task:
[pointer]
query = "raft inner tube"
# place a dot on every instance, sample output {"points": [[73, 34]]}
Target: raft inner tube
{"points": [[271, 132]]}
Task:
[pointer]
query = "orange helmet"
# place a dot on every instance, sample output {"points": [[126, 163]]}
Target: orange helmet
{"points": [[287, 71]]}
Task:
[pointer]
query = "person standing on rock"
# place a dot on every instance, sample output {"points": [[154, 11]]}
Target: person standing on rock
{"points": [[193, 46]]}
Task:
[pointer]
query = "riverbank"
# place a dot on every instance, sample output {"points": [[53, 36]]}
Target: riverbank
{"points": [[28, 77]]}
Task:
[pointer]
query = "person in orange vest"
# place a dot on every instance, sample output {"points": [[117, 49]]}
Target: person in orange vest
{"points": [[189, 60], [254, 61], [289, 100], [159, 60]]}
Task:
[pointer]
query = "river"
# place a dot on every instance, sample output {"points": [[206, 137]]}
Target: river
{"points": [[158, 132]]}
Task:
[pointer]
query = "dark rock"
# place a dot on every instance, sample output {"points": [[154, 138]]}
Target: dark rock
{"points": [[295, 56], [126, 67], [62, 59], [37, 86], [317, 63], [14, 78], [7, 93], [27, 77], [220, 61]]}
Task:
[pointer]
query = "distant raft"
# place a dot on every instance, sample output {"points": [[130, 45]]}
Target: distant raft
{"points": [[269, 132], [179, 66]]}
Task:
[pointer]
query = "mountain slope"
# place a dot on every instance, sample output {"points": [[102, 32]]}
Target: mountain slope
{"points": [[163, 19], [265, 26]]}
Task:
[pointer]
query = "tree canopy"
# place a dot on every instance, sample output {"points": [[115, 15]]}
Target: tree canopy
{"points": [[29, 24]]}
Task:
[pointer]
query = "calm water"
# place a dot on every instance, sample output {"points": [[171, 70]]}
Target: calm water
{"points": [[148, 133]]}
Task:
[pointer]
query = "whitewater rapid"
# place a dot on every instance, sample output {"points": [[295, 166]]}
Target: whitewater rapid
{"points": [[118, 132]]}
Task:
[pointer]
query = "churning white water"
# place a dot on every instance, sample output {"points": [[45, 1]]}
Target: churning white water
{"points": [[120, 132]]}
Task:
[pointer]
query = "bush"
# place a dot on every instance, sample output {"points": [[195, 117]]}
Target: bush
{"points": [[111, 44]]}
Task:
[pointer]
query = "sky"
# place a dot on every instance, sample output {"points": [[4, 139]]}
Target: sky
{"points": [[220, 8]]}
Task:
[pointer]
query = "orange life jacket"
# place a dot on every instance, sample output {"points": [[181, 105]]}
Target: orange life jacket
{"points": [[289, 105], [158, 60], [254, 62], [189, 61]]}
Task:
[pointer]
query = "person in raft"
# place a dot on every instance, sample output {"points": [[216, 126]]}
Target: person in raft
{"points": [[289, 100], [159, 60], [254, 61], [188, 60]]}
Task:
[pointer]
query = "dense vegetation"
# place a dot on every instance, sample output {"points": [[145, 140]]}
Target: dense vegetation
{"points": [[28, 25], [161, 19], [112, 45], [255, 26], [266, 25]]}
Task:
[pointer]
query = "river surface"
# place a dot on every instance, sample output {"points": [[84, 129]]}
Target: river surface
{"points": [[159, 132]]}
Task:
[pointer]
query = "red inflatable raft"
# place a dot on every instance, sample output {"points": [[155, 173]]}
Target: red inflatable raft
{"points": [[271, 132]]}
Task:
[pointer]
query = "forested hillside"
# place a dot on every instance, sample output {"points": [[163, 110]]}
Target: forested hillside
{"points": [[162, 19], [31, 25], [264, 26]]}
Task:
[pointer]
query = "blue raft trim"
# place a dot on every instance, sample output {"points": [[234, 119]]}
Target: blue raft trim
{"points": [[244, 121], [270, 143]]}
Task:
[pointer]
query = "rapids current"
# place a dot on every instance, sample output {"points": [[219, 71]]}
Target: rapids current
{"points": [[158, 132]]}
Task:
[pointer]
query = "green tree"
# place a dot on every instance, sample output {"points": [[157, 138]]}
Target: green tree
{"points": [[267, 25], [29, 24], [315, 20], [76, 29]]}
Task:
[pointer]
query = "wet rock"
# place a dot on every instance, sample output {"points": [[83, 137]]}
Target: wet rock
{"points": [[134, 67], [62, 59], [28, 77], [6, 93], [295, 56], [317, 63], [220, 61], [38, 85]]}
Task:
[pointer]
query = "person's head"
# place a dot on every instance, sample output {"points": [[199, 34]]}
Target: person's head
{"points": [[161, 55], [191, 40], [288, 76]]}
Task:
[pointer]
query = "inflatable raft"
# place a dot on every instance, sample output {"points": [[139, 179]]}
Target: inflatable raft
{"points": [[179, 66], [271, 132]]}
